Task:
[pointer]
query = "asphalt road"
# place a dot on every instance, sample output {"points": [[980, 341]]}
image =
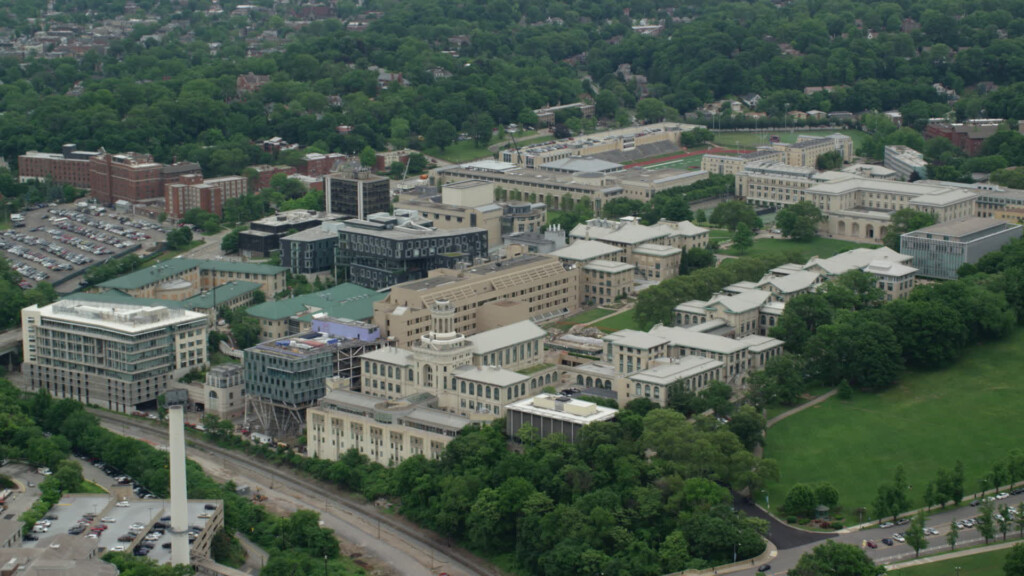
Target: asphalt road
{"points": [[395, 546], [788, 556]]}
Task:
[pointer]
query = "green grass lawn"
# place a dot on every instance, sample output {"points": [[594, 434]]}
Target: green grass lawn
{"points": [[984, 564], [718, 234], [464, 151], [823, 247], [622, 321], [969, 412], [761, 138], [91, 488], [582, 318], [218, 358]]}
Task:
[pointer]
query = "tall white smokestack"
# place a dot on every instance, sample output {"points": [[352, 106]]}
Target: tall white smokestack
{"points": [[180, 553]]}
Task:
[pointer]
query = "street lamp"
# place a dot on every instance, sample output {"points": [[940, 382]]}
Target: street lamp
{"points": [[767, 499], [957, 568]]}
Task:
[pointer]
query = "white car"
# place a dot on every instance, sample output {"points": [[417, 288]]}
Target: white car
{"points": [[886, 525], [122, 504], [118, 548], [137, 526], [1002, 496], [108, 520], [93, 536]]}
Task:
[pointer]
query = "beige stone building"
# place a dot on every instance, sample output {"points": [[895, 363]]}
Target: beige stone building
{"points": [[692, 373], [734, 163], [656, 262], [628, 233], [621, 140], [530, 287], [806, 150], [855, 207], [605, 281], [385, 431], [559, 188], [475, 377]]}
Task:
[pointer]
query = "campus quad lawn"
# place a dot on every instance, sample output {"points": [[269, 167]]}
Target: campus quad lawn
{"points": [[688, 163], [752, 140], [983, 564], [970, 412], [619, 322], [823, 247]]}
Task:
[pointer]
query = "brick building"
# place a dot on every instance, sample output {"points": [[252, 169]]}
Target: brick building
{"points": [[71, 166], [250, 82], [968, 136], [133, 177], [210, 195], [265, 172]]}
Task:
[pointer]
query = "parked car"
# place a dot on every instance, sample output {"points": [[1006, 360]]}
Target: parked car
{"points": [[872, 545], [764, 567], [887, 541]]}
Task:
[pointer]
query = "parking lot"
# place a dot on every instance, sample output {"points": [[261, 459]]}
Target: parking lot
{"points": [[59, 241]]}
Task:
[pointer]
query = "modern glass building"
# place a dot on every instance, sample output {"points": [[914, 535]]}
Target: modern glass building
{"points": [[940, 250]]}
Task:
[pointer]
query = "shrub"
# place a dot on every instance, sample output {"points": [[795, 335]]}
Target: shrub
{"points": [[791, 520], [837, 526]]}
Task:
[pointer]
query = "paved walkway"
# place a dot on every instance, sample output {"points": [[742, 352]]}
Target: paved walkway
{"points": [[952, 555], [622, 310], [801, 408]]}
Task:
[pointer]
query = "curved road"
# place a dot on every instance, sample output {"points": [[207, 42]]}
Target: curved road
{"points": [[400, 546]]}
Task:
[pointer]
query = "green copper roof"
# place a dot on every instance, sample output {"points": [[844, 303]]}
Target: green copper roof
{"points": [[177, 266], [342, 301]]}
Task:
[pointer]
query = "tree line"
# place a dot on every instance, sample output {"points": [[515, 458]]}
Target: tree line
{"points": [[296, 544]]}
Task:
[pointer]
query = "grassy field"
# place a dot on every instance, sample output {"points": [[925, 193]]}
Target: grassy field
{"points": [[754, 139], [619, 322], [582, 318], [969, 412], [823, 247], [464, 151], [984, 564], [719, 234]]}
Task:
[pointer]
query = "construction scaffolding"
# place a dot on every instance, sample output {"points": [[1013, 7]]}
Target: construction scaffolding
{"points": [[275, 418], [347, 363]]}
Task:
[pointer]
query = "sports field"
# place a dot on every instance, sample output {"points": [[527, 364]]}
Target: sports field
{"points": [[969, 412]]}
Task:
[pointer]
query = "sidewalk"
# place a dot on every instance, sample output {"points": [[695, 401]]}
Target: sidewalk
{"points": [[952, 555], [801, 407]]}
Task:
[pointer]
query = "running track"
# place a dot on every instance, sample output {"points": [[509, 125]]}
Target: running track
{"points": [[687, 154]]}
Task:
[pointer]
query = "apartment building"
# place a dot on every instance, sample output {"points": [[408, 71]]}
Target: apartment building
{"points": [[192, 191], [116, 356], [907, 162], [183, 278], [474, 377], [940, 250], [383, 250], [385, 431]]}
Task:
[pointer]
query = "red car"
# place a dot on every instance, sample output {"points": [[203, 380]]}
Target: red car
{"points": [[872, 545]]}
